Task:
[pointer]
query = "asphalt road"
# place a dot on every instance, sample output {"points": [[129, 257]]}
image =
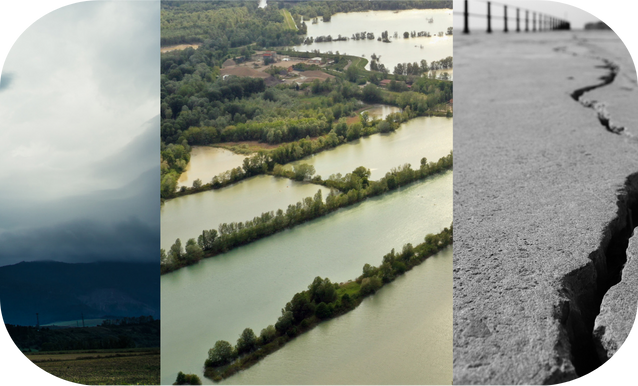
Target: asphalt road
{"points": [[540, 194]]}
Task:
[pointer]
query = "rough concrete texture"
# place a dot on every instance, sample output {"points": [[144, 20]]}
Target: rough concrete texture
{"points": [[618, 310], [535, 191]]}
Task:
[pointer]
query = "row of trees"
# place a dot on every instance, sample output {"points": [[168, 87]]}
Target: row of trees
{"points": [[423, 67], [265, 161], [321, 301], [346, 190]]}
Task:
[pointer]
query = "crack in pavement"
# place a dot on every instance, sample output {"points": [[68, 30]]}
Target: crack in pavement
{"points": [[584, 289]]}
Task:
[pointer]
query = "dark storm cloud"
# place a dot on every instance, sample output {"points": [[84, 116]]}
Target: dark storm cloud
{"points": [[6, 81], [82, 241], [141, 153]]}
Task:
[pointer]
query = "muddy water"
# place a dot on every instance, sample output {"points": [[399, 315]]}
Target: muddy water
{"points": [[400, 50], [429, 137], [186, 217], [207, 162]]}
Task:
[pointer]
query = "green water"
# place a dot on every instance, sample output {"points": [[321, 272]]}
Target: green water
{"points": [[207, 162]]}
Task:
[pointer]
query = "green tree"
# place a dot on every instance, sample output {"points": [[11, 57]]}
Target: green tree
{"points": [[197, 183], [300, 306], [372, 93], [176, 251], [268, 334], [246, 342], [220, 354], [284, 322], [193, 251], [370, 285], [303, 171], [323, 311]]}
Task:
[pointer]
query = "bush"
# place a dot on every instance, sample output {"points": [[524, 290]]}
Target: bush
{"points": [[370, 285], [187, 379], [323, 311], [220, 355]]}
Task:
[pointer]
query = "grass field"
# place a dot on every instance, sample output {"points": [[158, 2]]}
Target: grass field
{"points": [[103, 367], [288, 20]]}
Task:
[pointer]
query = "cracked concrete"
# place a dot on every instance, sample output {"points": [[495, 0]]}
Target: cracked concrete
{"points": [[536, 188]]}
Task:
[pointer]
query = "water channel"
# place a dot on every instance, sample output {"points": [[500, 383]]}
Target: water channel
{"points": [[186, 217], [247, 287], [400, 50], [429, 137]]}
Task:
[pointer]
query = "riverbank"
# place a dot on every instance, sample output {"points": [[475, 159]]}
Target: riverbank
{"points": [[322, 302], [541, 203]]}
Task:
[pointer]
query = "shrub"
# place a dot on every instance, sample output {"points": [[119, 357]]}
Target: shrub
{"points": [[323, 311]]}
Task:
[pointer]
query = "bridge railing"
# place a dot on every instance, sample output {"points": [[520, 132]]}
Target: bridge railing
{"points": [[532, 20]]}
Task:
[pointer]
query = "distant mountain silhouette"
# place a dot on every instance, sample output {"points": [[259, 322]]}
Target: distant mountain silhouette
{"points": [[63, 291]]}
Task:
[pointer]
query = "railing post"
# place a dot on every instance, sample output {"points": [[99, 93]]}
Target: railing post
{"points": [[518, 20], [489, 17], [466, 28], [505, 17], [534, 23], [526, 21]]}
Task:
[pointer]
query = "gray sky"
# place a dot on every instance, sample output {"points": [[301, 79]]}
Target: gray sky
{"points": [[79, 136], [575, 15]]}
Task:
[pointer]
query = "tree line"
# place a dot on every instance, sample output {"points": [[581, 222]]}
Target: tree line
{"points": [[346, 191], [323, 300]]}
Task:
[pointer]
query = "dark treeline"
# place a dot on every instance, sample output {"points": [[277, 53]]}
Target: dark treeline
{"points": [[322, 301], [144, 333], [325, 9], [347, 190]]}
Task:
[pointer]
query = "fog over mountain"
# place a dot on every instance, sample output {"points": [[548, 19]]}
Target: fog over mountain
{"points": [[79, 136]]}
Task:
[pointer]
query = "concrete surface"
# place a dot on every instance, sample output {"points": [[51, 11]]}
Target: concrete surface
{"points": [[537, 180]]}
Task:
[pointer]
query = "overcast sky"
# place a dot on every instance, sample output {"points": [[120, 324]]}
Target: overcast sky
{"points": [[79, 136], [576, 16]]}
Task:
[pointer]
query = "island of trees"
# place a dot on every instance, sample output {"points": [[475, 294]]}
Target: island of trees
{"points": [[322, 301]]}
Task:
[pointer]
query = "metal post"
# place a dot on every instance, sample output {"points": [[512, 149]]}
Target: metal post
{"points": [[466, 29], [526, 21], [489, 17], [505, 17], [534, 23], [518, 20]]}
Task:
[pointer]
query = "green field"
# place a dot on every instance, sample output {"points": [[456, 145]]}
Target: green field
{"points": [[288, 20], [103, 367]]}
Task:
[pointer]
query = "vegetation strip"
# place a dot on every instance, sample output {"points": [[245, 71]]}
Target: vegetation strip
{"points": [[322, 301], [355, 187]]}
